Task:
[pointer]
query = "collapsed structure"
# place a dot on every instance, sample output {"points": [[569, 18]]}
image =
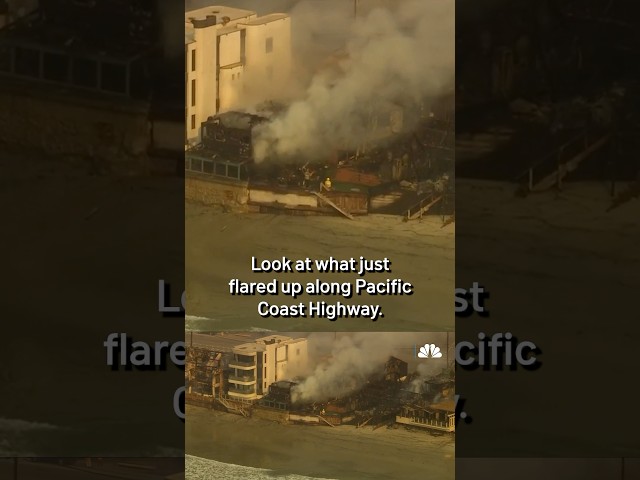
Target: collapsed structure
{"points": [[404, 173], [391, 151], [251, 379]]}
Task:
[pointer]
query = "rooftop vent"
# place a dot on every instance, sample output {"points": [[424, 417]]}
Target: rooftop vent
{"points": [[209, 21]]}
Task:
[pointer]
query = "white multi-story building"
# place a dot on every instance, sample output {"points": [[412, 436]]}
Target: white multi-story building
{"points": [[257, 365], [233, 59]]}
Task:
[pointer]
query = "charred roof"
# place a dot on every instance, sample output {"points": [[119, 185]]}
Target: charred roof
{"points": [[236, 120]]}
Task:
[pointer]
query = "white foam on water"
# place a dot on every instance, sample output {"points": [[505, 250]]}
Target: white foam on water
{"points": [[19, 426], [196, 318], [198, 468]]}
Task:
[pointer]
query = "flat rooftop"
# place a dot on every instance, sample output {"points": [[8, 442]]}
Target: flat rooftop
{"points": [[219, 11], [277, 339], [247, 348], [272, 17], [221, 342]]}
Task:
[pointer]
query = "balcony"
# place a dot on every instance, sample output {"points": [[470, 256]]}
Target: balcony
{"points": [[242, 393], [243, 380], [448, 426], [242, 365]]}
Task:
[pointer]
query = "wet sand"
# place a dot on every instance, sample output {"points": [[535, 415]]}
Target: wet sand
{"points": [[219, 247], [343, 453]]}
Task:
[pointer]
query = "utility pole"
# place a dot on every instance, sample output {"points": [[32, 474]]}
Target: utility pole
{"points": [[15, 468], [355, 8]]}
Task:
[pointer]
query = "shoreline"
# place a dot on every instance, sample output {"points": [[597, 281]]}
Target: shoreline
{"points": [[343, 453]]}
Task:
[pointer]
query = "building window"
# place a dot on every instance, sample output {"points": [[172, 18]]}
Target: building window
{"points": [[193, 122], [297, 351], [233, 76], [269, 45], [265, 371], [193, 60], [193, 93]]}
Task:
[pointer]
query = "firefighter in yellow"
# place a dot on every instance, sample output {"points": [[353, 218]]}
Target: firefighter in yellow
{"points": [[326, 185]]}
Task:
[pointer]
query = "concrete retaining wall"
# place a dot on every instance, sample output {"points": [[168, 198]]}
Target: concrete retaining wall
{"points": [[270, 414], [233, 196], [289, 199]]}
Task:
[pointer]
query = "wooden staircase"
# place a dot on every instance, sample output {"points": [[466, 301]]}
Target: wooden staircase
{"points": [[233, 407], [333, 205], [551, 170], [422, 207]]}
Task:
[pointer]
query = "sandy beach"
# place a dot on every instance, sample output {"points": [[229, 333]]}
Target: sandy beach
{"points": [[343, 453], [219, 247]]}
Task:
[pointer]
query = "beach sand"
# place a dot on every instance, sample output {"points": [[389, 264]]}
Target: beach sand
{"points": [[219, 247], [344, 453]]}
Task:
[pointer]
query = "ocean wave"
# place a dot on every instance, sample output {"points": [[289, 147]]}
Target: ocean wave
{"points": [[196, 318], [198, 468], [19, 426]]}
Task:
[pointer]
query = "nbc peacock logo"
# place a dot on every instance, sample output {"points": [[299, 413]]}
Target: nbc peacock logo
{"points": [[429, 350]]}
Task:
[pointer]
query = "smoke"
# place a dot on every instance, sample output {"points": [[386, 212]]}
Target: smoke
{"points": [[397, 56], [353, 359]]}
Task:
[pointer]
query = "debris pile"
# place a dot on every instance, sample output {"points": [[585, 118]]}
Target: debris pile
{"points": [[387, 398], [204, 371]]}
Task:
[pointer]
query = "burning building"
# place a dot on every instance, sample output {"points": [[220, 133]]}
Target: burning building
{"points": [[388, 397], [269, 378], [429, 404], [370, 131], [233, 59], [233, 370], [230, 134]]}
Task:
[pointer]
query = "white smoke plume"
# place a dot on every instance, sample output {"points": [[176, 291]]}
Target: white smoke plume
{"points": [[352, 359], [398, 55]]}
